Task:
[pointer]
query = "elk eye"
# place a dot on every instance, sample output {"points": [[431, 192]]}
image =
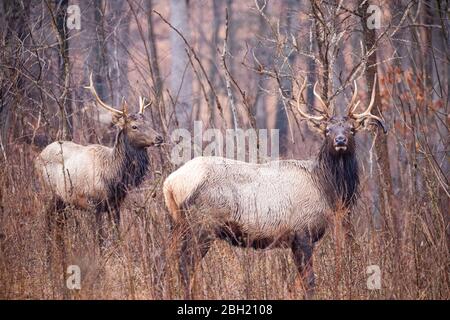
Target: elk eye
{"points": [[327, 131], [352, 130], [134, 127]]}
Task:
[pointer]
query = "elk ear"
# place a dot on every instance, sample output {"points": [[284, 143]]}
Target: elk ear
{"points": [[319, 127], [376, 122], [118, 120]]}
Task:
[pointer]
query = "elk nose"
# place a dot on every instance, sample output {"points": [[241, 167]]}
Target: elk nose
{"points": [[340, 140], [159, 140]]}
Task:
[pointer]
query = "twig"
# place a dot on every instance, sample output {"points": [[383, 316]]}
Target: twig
{"points": [[227, 74], [219, 106]]}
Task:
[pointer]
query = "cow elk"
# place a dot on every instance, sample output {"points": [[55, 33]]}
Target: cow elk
{"points": [[284, 203], [95, 176]]}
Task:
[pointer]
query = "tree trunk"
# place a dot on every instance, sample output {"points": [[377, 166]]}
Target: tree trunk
{"points": [[65, 101], [155, 70], [118, 45], [181, 73], [13, 15], [100, 66], [282, 122], [213, 71], [262, 53], [156, 73], [384, 177]]}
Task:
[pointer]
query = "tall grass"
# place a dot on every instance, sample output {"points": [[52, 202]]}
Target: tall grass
{"points": [[142, 264]]}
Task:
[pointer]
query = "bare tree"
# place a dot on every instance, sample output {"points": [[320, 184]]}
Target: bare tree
{"points": [[155, 70], [58, 12], [213, 70], [286, 63], [181, 73], [100, 66], [381, 147], [117, 46], [13, 15]]}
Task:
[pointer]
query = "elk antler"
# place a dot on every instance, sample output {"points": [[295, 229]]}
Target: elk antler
{"points": [[353, 105], [361, 117], [304, 114], [324, 105], [100, 102], [142, 105]]}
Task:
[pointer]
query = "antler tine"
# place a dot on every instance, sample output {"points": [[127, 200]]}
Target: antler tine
{"points": [[324, 105], [353, 105], [361, 116], [142, 105], [355, 93], [124, 105], [367, 114], [303, 114], [97, 98]]}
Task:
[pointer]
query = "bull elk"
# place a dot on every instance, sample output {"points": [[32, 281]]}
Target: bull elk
{"points": [[96, 176], [283, 203]]}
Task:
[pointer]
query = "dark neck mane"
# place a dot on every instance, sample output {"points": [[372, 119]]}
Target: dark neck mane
{"points": [[337, 176], [128, 167]]}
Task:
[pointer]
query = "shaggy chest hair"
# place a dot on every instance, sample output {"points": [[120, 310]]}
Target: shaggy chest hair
{"points": [[128, 167], [337, 177]]}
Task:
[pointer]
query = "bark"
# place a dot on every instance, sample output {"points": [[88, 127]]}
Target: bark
{"points": [[181, 72], [282, 122], [231, 47], [322, 45], [13, 15], [156, 73], [119, 22], [154, 69], [100, 63], [444, 42], [213, 71], [384, 177], [261, 53], [65, 100]]}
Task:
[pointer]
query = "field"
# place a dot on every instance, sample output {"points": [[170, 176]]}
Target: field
{"points": [[141, 265], [228, 65]]}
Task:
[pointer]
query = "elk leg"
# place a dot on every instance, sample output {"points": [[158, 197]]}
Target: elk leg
{"points": [[49, 216], [55, 216], [53, 211], [302, 248], [194, 248], [116, 222], [60, 242], [100, 231], [113, 211]]}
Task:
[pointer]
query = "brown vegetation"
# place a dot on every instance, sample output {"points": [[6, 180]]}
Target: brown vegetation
{"points": [[400, 222]]}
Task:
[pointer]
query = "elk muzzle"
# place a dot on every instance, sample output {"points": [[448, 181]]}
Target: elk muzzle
{"points": [[340, 143], [158, 141]]}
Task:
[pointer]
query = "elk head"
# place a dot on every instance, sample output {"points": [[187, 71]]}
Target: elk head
{"points": [[136, 126], [339, 131]]}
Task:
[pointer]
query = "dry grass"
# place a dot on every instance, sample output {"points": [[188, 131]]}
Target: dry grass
{"points": [[141, 265]]}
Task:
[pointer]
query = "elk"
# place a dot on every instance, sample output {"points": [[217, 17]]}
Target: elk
{"points": [[96, 176], [283, 203]]}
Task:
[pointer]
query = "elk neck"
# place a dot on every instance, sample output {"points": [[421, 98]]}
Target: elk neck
{"points": [[337, 176], [128, 167]]}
